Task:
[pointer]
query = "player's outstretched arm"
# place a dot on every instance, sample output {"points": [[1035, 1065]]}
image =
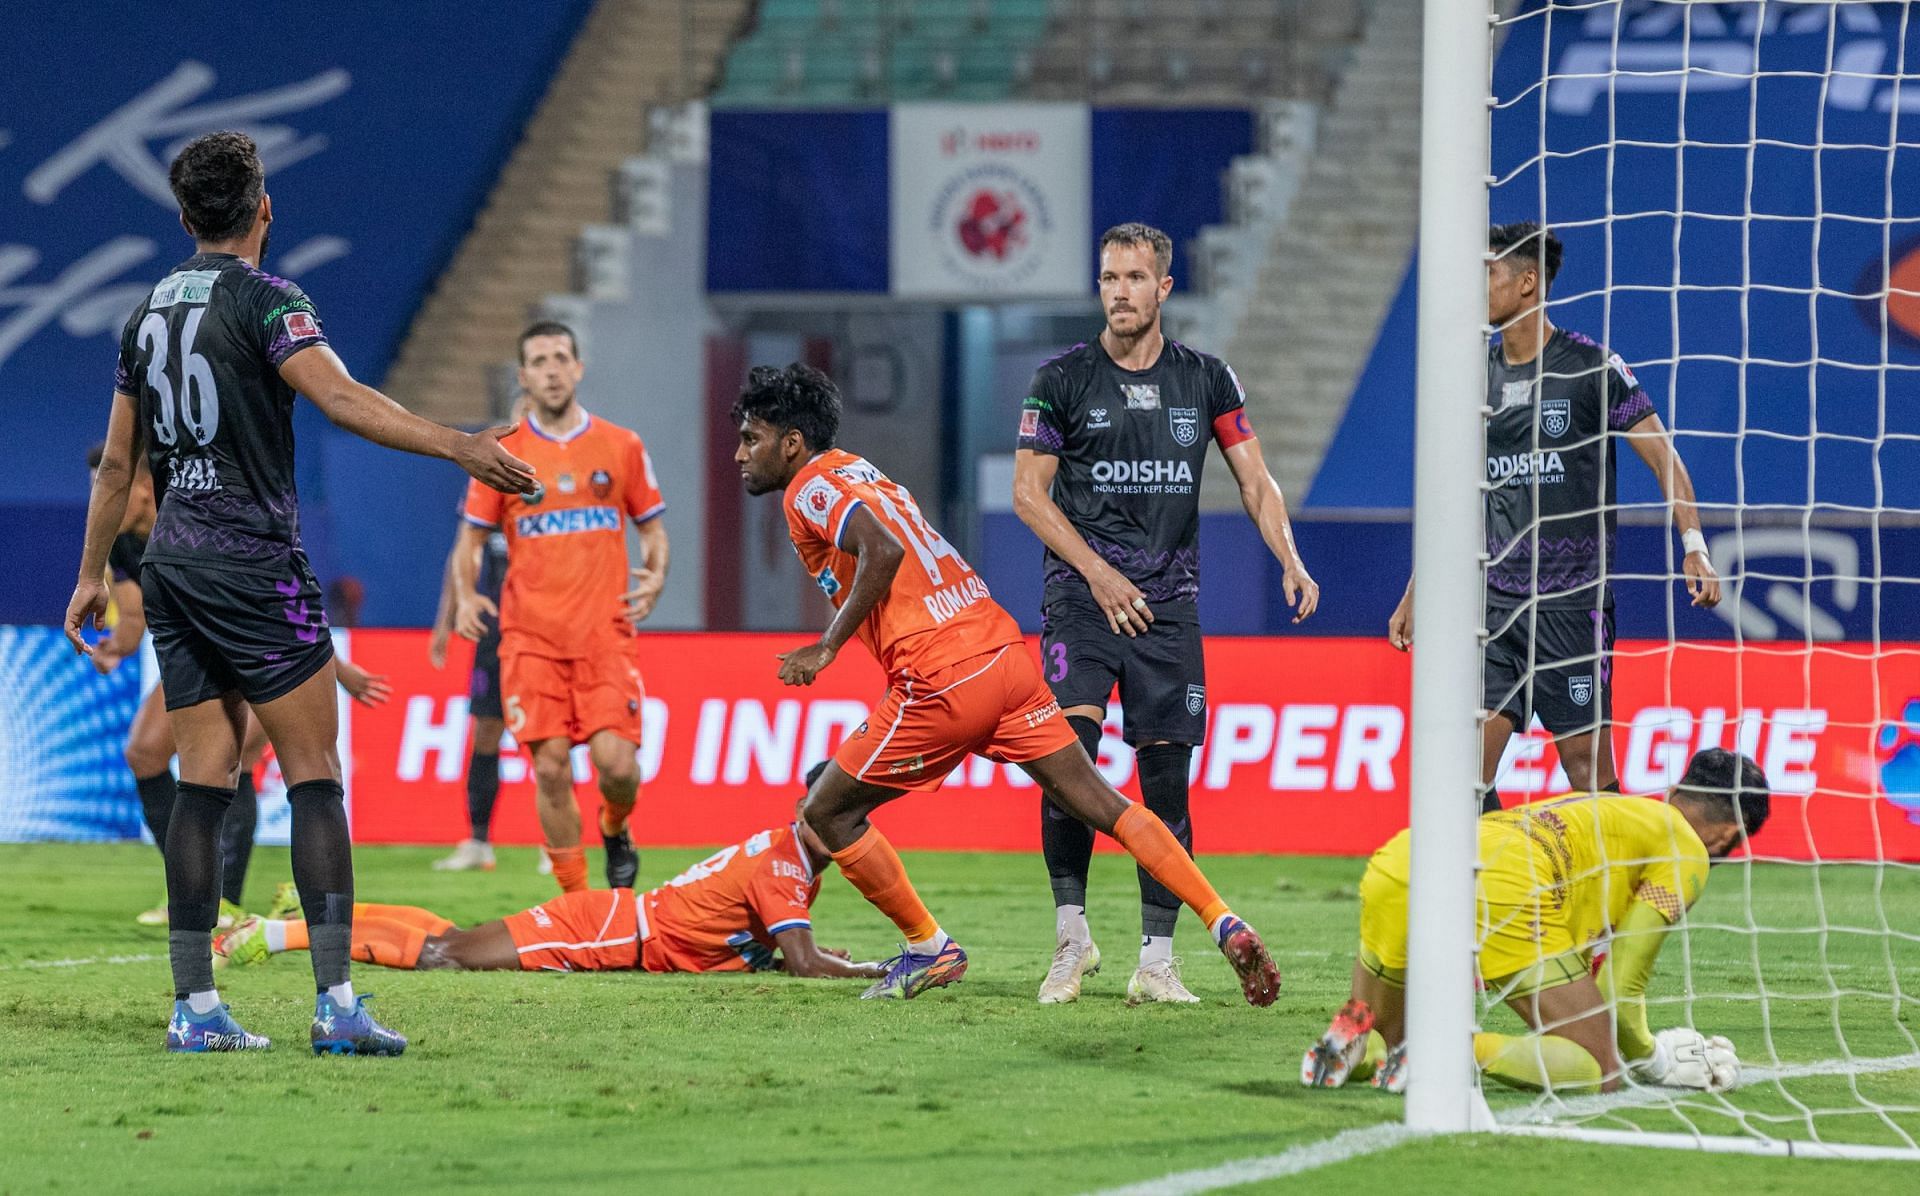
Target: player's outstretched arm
{"points": [[1400, 626], [1267, 507], [318, 373], [801, 956], [1651, 440], [106, 507], [1119, 599], [878, 555]]}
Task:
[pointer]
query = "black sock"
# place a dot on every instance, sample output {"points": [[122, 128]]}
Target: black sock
{"points": [[1065, 841], [1490, 800], [1163, 782], [193, 883], [236, 837], [483, 786], [323, 871], [156, 804]]}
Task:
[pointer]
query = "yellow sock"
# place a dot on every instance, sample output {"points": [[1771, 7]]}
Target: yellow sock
{"points": [[1537, 1062]]}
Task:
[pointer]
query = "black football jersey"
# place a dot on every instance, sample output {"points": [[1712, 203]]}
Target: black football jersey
{"points": [[202, 355], [1131, 445], [1550, 505]]}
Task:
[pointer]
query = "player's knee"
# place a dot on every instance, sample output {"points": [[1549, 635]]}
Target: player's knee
{"points": [[144, 759], [551, 768], [620, 780]]}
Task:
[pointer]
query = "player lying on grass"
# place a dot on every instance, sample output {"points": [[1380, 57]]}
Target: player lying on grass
{"points": [[727, 913], [1588, 879]]}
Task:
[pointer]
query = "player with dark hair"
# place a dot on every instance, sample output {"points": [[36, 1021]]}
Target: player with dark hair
{"points": [[1558, 400], [728, 913], [209, 365], [567, 619], [959, 681], [1113, 438], [1563, 886]]}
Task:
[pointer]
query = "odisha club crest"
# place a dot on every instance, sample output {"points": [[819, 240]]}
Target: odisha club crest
{"points": [[1185, 424], [1556, 416], [991, 224]]}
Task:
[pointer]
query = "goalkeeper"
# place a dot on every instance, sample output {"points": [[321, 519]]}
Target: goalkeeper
{"points": [[1563, 886]]}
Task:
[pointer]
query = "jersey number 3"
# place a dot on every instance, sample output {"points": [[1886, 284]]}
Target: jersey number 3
{"points": [[199, 405]]}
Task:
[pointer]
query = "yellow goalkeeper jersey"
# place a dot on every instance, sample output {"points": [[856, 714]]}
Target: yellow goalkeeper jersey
{"points": [[1594, 855]]}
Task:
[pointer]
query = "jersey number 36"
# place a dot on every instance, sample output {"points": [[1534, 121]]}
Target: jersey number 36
{"points": [[199, 405]]}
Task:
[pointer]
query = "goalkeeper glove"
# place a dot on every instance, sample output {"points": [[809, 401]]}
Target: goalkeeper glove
{"points": [[1683, 1058]]}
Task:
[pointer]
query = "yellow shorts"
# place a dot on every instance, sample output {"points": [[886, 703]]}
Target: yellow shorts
{"points": [[1525, 944]]}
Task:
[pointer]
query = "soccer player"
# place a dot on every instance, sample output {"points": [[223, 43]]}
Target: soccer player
{"points": [[959, 680], [209, 365], [1113, 438], [1563, 885], [568, 671], [475, 852], [728, 913], [1558, 401]]}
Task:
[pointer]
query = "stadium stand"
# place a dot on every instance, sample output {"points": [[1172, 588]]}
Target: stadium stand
{"points": [[1331, 268], [629, 54], [844, 51]]}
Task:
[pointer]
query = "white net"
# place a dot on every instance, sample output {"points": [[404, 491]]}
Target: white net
{"points": [[1738, 190]]}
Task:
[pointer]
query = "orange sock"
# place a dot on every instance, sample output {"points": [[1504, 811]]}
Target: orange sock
{"points": [[875, 869], [569, 868], [387, 942], [296, 936], [412, 915], [613, 819], [1148, 840]]}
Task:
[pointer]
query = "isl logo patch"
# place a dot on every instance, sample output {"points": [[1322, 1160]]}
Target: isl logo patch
{"points": [[1580, 689], [1196, 699], [1556, 416]]}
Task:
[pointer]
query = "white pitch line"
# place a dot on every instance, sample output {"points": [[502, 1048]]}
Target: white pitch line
{"points": [[1357, 1143], [29, 964]]}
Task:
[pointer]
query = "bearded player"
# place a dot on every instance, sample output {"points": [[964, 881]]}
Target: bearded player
{"points": [[959, 680], [728, 913], [209, 365], [1123, 571], [568, 673], [1563, 885]]}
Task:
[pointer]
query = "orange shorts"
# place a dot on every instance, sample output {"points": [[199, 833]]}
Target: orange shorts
{"points": [[994, 704], [545, 698], [593, 930]]}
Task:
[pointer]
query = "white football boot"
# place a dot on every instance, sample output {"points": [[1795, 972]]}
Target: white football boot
{"points": [[1073, 959]]}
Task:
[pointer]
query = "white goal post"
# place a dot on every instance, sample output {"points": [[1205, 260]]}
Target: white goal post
{"points": [[1823, 990]]}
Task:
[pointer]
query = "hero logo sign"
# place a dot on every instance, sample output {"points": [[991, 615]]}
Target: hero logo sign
{"points": [[816, 500], [992, 224], [301, 325]]}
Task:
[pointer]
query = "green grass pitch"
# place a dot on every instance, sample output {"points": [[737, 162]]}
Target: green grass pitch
{"points": [[766, 1084]]}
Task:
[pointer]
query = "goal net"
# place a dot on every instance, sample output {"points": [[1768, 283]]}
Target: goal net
{"points": [[1737, 187]]}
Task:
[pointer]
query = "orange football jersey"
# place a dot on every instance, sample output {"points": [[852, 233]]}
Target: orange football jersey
{"points": [[568, 544], [721, 914], [938, 612]]}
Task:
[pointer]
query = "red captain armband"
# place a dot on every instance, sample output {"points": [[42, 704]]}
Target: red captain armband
{"points": [[1232, 428]]}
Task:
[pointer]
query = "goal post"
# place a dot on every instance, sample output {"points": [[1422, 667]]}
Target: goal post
{"points": [[1738, 189], [1443, 1095]]}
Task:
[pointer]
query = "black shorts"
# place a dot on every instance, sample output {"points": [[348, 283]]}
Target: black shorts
{"points": [[1162, 673], [221, 630], [1567, 679], [483, 687]]}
